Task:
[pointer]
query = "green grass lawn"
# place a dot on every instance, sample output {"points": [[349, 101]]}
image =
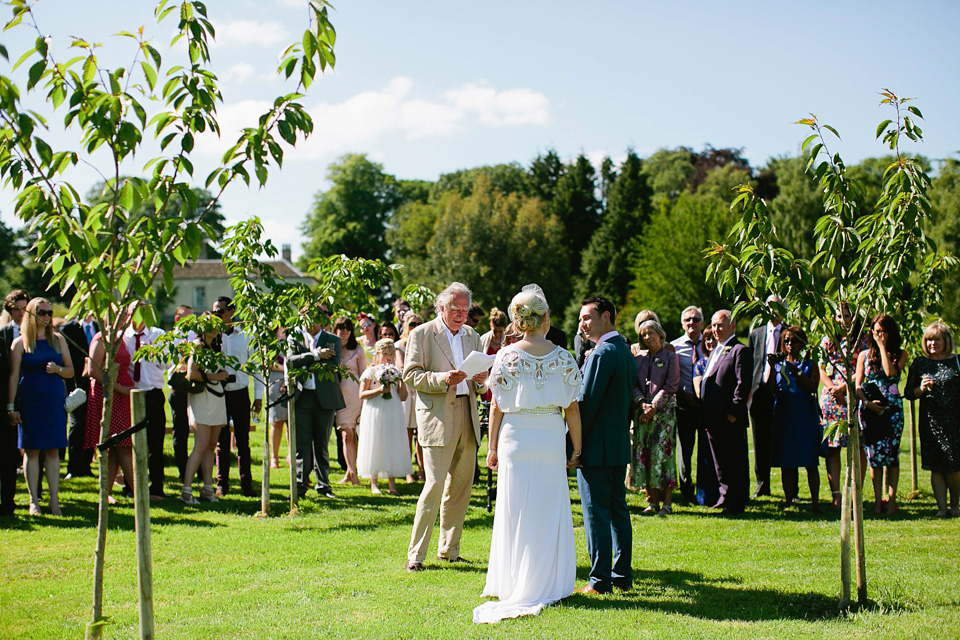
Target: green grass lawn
{"points": [[336, 571]]}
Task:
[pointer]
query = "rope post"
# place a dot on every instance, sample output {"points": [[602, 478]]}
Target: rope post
{"points": [[914, 481], [141, 499], [291, 442], [265, 475]]}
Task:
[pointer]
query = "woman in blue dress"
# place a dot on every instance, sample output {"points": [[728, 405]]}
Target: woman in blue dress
{"points": [[39, 363], [796, 434], [879, 368]]}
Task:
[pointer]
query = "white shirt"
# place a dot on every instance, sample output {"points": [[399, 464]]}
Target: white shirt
{"points": [[715, 355], [151, 373], [772, 343], [456, 348], [236, 344]]}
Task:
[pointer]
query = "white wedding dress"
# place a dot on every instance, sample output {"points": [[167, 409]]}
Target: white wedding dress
{"points": [[532, 557]]}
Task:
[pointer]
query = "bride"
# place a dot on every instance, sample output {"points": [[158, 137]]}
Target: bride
{"points": [[532, 558]]}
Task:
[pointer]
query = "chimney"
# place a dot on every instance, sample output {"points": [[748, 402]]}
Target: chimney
{"points": [[285, 253]]}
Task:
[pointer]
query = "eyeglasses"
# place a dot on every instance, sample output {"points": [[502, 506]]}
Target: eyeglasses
{"points": [[366, 325], [693, 319], [413, 325], [45, 313], [792, 341]]}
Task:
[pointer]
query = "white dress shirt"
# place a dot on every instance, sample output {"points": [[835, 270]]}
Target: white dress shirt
{"points": [[456, 347], [715, 355], [236, 344], [151, 373]]}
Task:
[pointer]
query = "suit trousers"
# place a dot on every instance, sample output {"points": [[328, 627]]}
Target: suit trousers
{"points": [[606, 524], [313, 424], [78, 458], [728, 442], [761, 422], [10, 465], [687, 420], [181, 431], [238, 410], [156, 431], [449, 472]]}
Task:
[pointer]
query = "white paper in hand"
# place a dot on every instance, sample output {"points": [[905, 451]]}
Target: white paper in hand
{"points": [[476, 362]]}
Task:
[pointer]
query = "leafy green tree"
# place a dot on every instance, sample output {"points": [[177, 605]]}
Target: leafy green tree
{"points": [[797, 206], [496, 243], [103, 108], [669, 270], [945, 229], [576, 206], [504, 178], [607, 263], [869, 257], [668, 171], [350, 217], [545, 172]]}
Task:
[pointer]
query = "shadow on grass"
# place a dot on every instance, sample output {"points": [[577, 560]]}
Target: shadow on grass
{"points": [[692, 594]]}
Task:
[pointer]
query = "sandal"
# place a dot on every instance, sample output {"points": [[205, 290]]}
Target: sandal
{"points": [[208, 495], [186, 497]]}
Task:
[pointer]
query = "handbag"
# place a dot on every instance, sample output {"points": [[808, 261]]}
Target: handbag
{"points": [[874, 427], [74, 400], [180, 382]]}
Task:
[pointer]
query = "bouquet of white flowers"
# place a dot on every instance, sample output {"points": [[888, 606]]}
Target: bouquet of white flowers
{"points": [[389, 375]]}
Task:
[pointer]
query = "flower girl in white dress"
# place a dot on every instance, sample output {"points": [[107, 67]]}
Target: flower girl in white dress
{"points": [[383, 426]]}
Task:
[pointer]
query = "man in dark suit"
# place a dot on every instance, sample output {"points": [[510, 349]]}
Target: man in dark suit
{"points": [[609, 375], [178, 407], [763, 341], [10, 459], [724, 390], [316, 400], [78, 458], [14, 304]]}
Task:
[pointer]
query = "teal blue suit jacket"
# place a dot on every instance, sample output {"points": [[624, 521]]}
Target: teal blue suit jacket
{"points": [[609, 375]]}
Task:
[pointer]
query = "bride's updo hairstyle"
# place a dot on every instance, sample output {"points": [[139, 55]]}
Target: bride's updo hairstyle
{"points": [[528, 309]]}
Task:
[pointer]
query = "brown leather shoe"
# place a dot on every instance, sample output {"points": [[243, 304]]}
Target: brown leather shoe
{"points": [[458, 559], [412, 565], [590, 591]]}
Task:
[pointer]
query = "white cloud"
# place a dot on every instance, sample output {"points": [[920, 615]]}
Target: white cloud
{"points": [[365, 118], [243, 33], [239, 73]]}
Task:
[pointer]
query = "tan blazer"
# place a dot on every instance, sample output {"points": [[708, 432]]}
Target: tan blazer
{"points": [[426, 361]]}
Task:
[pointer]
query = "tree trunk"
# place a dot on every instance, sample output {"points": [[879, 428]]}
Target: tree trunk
{"points": [[95, 628], [291, 443], [856, 477], [141, 498], [265, 474], [914, 481]]}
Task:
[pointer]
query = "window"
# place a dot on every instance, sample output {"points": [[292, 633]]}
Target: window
{"points": [[199, 297]]}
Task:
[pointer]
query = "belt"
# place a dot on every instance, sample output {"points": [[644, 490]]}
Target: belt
{"points": [[464, 396], [537, 411]]}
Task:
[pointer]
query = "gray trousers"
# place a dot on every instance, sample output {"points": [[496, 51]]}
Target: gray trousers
{"points": [[313, 424]]}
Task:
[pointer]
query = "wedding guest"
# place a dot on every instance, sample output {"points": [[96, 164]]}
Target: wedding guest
{"points": [[277, 411], [178, 403], [655, 424], [147, 376], [475, 316], [708, 487], [353, 358], [410, 322], [935, 380], [39, 363], [833, 397], [688, 353], [120, 455], [207, 412], [796, 433], [10, 459], [763, 341], [78, 333], [383, 450], [401, 307], [14, 304], [368, 334], [878, 369], [637, 348], [492, 340], [388, 330]]}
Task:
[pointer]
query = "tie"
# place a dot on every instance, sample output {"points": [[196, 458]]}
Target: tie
{"points": [[696, 349], [136, 365], [88, 329]]}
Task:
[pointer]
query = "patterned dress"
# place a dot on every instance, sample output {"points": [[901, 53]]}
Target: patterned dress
{"points": [[939, 423], [655, 442], [831, 411], [886, 452]]}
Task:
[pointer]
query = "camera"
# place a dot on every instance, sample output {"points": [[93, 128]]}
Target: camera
{"points": [[776, 358], [231, 378]]}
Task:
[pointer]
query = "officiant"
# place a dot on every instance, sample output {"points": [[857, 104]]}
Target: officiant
{"points": [[448, 428]]}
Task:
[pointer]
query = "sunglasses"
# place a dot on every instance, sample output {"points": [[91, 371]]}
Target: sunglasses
{"points": [[413, 325], [48, 313]]}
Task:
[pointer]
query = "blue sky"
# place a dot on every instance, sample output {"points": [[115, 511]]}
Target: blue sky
{"points": [[426, 86]]}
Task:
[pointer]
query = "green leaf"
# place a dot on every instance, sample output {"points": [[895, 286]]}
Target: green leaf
{"points": [[883, 127], [149, 74]]}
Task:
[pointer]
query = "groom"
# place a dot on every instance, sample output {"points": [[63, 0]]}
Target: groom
{"points": [[609, 375]]}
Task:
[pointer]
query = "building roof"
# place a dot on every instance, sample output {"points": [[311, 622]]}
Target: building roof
{"points": [[214, 269]]}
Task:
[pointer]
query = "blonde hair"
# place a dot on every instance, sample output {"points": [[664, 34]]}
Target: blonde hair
{"points": [[528, 309], [938, 330], [498, 318], [383, 345], [642, 317], [28, 327]]}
